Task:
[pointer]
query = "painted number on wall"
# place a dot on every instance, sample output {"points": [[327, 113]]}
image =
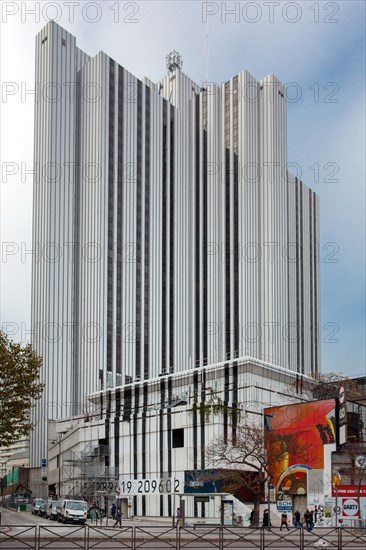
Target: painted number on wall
{"points": [[149, 486]]}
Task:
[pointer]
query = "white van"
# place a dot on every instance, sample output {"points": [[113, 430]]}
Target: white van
{"points": [[73, 511]]}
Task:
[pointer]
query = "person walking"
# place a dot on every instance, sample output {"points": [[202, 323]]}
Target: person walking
{"points": [[266, 518], [118, 518], [114, 510], [297, 522], [308, 516], [284, 521]]}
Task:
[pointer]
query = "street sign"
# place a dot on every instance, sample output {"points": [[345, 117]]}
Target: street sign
{"points": [[44, 463]]}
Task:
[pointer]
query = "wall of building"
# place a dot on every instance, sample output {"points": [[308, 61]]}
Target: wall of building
{"points": [[155, 431], [170, 233]]}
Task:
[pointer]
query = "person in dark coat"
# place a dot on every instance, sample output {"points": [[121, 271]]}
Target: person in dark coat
{"points": [[266, 518], [297, 522], [114, 510], [118, 518], [284, 521], [308, 516]]}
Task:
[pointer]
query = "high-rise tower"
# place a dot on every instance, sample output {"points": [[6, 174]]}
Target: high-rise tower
{"points": [[170, 233]]}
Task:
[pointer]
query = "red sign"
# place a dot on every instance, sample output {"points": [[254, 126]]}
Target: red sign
{"points": [[349, 491], [349, 507]]}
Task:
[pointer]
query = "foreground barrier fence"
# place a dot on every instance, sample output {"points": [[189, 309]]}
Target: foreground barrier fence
{"points": [[64, 537]]}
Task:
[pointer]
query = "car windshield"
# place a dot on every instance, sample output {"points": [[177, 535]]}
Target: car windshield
{"points": [[74, 505], [55, 503]]}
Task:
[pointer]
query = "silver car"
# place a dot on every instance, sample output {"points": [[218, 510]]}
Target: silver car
{"points": [[51, 510]]}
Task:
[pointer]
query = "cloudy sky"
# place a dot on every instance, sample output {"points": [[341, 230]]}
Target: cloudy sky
{"points": [[317, 47]]}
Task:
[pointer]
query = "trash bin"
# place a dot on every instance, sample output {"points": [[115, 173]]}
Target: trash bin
{"points": [[22, 507]]}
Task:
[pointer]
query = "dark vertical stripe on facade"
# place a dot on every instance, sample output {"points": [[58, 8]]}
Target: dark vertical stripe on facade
{"points": [[161, 439], [116, 428], [136, 449], [316, 297], [197, 231], [226, 399], [311, 256], [287, 261], [172, 233], [147, 235], [138, 228], [204, 251], [76, 259], [227, 255], [169, 435], [127, 403], [110, 260], [302, 328], [298, 339], [107, 424], [143, 430], [236, 254], [169, 425], [235, 402], [202, 418], [194, 419], [164, 251], [120, 185]]}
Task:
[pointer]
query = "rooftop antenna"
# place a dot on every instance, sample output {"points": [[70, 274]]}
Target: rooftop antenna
{"points": [[174, 61]]}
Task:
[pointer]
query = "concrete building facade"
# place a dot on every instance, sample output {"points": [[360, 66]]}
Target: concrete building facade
{"points": [[170, 235]]}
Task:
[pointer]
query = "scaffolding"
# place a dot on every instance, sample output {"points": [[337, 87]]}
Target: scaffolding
{"points": [[87, 474]]}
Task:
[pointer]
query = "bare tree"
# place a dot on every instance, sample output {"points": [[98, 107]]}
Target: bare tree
{"points": [[324, 386], [244, 459]]}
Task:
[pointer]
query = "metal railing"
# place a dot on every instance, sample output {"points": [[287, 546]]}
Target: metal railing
{"points": [[85, 537]]}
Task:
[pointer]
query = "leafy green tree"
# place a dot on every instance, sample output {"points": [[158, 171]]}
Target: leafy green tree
{"points": [[19, 387]]}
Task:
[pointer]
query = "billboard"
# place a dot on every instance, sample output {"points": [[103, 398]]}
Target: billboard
{"points": [[305, 428]]}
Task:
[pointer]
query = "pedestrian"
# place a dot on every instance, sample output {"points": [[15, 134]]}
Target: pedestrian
{"points": [[251, 517], [308, 516], [284, 521], [93, 513], [178, 517], [297, 522], [114, 510], [315, 513], [266, 518], [118, 518]]}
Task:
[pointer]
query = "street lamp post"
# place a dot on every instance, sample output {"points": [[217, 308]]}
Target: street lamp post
{"points": [[269, 502]]}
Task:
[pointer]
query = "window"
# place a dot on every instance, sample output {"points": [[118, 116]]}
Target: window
{"points": [[178, 438]]}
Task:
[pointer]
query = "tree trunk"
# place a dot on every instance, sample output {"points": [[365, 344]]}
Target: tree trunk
{"points": [[256, 518]]}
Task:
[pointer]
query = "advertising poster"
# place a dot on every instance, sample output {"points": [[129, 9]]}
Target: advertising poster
{"points": [[304, 428]]}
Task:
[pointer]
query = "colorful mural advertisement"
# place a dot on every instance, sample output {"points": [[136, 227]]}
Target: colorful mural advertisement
{"points": [[305, 428]]}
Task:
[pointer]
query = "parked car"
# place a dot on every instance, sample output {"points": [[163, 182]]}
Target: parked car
{"points": [[42, 508], [73, 511], [51, 510], [37, 506]]}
